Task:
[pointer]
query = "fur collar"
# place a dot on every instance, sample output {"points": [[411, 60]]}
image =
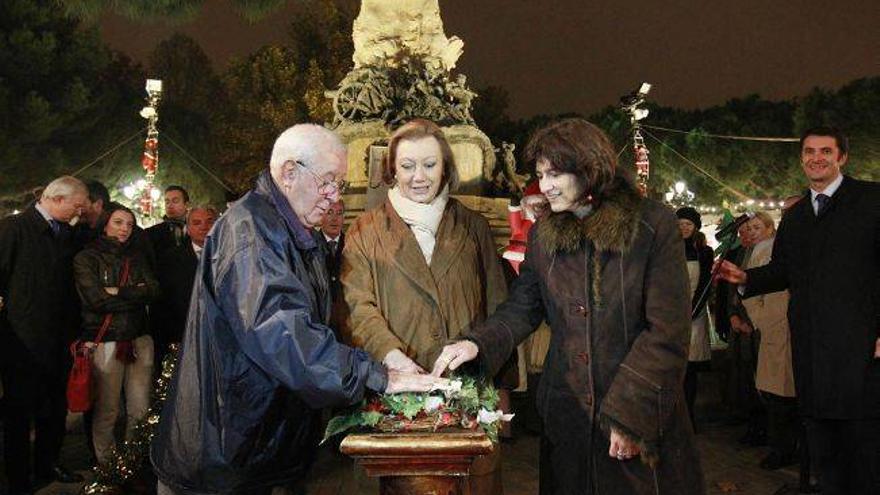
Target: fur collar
{"points": [[612, 227]]}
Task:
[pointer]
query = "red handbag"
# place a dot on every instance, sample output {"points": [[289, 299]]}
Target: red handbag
{"points": [[80, 395]]}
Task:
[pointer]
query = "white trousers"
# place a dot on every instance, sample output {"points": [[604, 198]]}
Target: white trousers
{"points": [[113, 379]]}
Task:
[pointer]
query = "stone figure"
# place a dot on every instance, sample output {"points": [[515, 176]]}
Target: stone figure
{"points": [[383, 29]]}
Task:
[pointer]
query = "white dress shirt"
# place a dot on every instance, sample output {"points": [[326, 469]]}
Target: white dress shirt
{"points": [[829, 191]]}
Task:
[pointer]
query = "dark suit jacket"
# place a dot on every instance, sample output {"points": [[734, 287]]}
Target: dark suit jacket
{"points": [[830, 266], [164, 236], [40, 316], [339, 311], [334, 261], [176, 272]]}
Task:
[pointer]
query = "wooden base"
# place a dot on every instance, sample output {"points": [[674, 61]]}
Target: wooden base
{"points": [[418, 463]]}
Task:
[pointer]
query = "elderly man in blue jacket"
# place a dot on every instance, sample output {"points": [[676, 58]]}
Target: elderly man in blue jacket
{"points": [[258, 361]]}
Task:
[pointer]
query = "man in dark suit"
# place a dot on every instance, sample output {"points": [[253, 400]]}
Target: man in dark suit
{"points": [[38, 320], [171, 232], [826, 255], [176, 272], [331, 241]]}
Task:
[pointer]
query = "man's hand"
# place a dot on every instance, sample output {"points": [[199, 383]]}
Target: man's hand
{"points": [[729, 272], [736, 323], [396, 360], [454, 355], [409, 382], [113, 291], [622, 448]]}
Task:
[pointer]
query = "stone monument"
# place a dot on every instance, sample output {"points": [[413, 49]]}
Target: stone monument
{"points": [[403, 65]]}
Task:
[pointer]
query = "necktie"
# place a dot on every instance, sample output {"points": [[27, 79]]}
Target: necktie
{"points": [[56, 226], [332, 245], [822, 200]]}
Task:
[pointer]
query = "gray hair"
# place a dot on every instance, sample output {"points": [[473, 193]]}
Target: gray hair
{"points": [[209, 208], [64, 186], [303, 142]]}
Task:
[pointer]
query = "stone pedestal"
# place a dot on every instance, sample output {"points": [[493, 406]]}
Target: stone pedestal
{"points": [[418, 463], [367, 143]]}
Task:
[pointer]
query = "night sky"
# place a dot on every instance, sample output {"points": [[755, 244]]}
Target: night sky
{"points": [[580, 55]]}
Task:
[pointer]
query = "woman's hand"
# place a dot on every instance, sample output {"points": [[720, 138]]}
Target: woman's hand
{"points": [[622, 448], [396, 360], [113, 291], [454, 355]]}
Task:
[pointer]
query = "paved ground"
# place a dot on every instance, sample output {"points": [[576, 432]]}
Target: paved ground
{"points": [[729, 467]]}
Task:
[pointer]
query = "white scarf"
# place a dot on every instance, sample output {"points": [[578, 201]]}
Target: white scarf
{"points": [[423, 218]]}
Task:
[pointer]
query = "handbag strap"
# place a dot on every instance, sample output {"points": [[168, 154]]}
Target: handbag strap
{"points": [[123, 279]]}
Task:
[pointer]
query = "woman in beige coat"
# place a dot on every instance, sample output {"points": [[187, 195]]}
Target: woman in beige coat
{"points": [[774, 378], [421, 269]]}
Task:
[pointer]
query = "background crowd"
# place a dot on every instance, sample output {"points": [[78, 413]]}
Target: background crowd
{"points": [[422, 270]]}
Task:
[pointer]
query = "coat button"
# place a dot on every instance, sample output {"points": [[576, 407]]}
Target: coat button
{"points": [[579, 309]]}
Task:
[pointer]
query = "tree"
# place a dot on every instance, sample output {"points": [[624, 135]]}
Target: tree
{"points": [[59, 94], [265, 97], [150, 9]]}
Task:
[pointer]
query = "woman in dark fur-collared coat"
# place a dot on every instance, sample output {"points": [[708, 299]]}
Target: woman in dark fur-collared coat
{"points": [[607, 271]]}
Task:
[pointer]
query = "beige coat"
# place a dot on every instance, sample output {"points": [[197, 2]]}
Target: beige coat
{"points": [[769, 315], [398, 302]]}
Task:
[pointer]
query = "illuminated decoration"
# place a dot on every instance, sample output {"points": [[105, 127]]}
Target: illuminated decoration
{"points": [[132, 456], [679, 195], [631, 104], [150, 159]]}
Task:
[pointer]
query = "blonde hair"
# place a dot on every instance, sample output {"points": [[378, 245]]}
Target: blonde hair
{"points": [[767, 220], [414, 130]]}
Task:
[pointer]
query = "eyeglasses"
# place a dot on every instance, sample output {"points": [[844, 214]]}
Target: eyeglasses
{"points": [[325, 186]]}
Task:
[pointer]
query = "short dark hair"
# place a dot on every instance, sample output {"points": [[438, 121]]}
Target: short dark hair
{"points": [[178, 188], [418, 129], [98, 191], [577, 147], [828, 131]]}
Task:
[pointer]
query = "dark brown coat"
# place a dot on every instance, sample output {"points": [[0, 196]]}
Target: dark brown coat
{"points": [[613, 288]]}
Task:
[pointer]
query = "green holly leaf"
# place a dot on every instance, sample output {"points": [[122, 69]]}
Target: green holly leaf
{"points": [[371, 418], [406, 404], [469, 399], [489, 398], [343, 423]]}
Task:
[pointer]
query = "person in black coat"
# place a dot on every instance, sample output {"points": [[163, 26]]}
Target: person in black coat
{"points": [[331, 241], [39, 318], [826, 255], [699, 258], [122, 361], [176, 272], [171, 232]]}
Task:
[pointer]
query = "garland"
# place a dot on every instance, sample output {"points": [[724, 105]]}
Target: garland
{"points": [[127, 459], [466, 402]]}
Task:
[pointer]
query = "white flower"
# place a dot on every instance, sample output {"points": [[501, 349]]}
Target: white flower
{"points": [[433, 403], [148, 112], [451, 390], [489, 417]]}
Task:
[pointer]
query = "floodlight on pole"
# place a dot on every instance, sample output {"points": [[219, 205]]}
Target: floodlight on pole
{"points": [[632, 105]]}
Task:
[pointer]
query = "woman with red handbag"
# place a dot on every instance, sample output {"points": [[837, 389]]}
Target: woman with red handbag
{"points": [[115, 284]]}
